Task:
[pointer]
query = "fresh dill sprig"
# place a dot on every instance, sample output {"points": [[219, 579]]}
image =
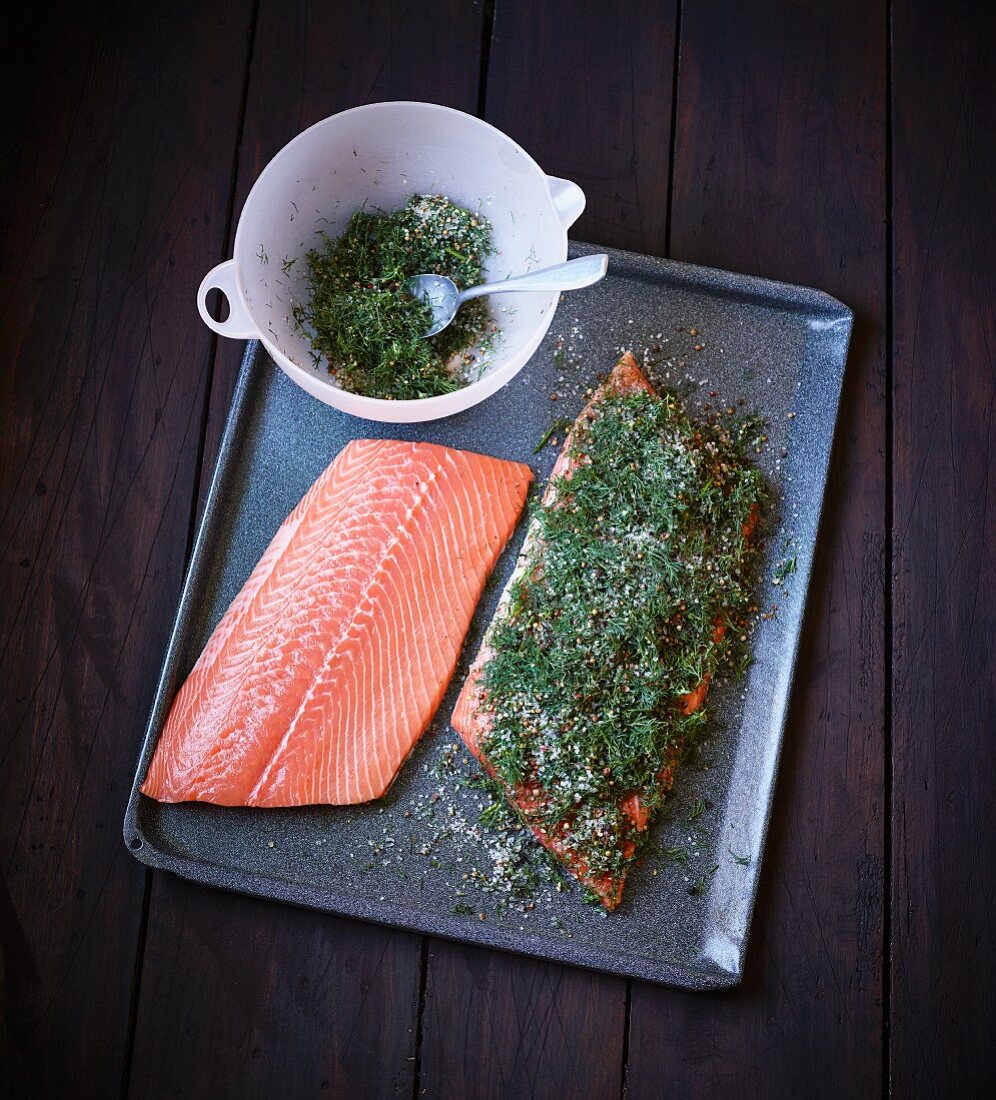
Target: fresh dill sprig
{"points": [[785, 568], [560, 424]]}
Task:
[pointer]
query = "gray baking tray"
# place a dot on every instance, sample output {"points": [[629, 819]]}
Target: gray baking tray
{"points": [[402, 861]]}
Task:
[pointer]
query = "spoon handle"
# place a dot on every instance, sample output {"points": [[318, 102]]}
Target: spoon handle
{"points": [[571, 275]]}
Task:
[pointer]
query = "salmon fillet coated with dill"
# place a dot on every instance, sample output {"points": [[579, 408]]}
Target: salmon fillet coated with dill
{"points": [[330, 663], [632, 590]]}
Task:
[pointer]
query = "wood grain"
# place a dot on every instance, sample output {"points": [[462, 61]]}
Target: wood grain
{"points": [[114, 192], [308, 62], [586, 88], [780, 171], [267, 1000], [496, 1025], [944, 550]]}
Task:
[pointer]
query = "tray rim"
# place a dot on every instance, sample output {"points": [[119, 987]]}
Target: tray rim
{"points": [[770, 292]]}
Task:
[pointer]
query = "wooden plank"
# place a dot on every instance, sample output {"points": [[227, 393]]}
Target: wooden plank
{"points": [[586, 88], [267, 1000], [497, 1025], [113, 197], [554, 85], [308, 62], [780, 170], [944, 548]]}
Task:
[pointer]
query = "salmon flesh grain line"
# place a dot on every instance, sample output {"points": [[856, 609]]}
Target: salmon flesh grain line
{"points": [[333, 658]]}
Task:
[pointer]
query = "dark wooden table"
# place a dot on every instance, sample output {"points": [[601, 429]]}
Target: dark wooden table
{"points": [[849, 145]]}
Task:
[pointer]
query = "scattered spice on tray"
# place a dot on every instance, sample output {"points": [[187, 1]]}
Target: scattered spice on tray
{"points": [[476, 839], [359, 318]]}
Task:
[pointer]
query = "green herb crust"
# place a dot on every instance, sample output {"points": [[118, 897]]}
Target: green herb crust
{"points": [[359, 318], [639, 592]]}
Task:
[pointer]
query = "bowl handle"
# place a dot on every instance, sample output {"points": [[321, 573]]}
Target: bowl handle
{"points": [[568, 199], [238, 323]]}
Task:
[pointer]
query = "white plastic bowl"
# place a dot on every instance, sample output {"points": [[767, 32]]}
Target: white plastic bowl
{"points": [[381, 154]]}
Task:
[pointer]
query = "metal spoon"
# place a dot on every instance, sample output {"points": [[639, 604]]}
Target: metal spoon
{"points": [[443, 298]]}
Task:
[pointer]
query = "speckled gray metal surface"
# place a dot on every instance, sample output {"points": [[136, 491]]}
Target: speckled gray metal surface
{"points": [[685, 917]]}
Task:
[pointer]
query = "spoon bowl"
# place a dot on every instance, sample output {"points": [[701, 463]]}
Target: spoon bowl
{"points": [[440, 294]]}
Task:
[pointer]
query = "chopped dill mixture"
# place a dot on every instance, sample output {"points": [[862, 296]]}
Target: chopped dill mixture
{"points": [[361, 321], [645, 553]]}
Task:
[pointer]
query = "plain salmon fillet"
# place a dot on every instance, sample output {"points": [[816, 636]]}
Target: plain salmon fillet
{"points": [[331, 661], [471, 718]]}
